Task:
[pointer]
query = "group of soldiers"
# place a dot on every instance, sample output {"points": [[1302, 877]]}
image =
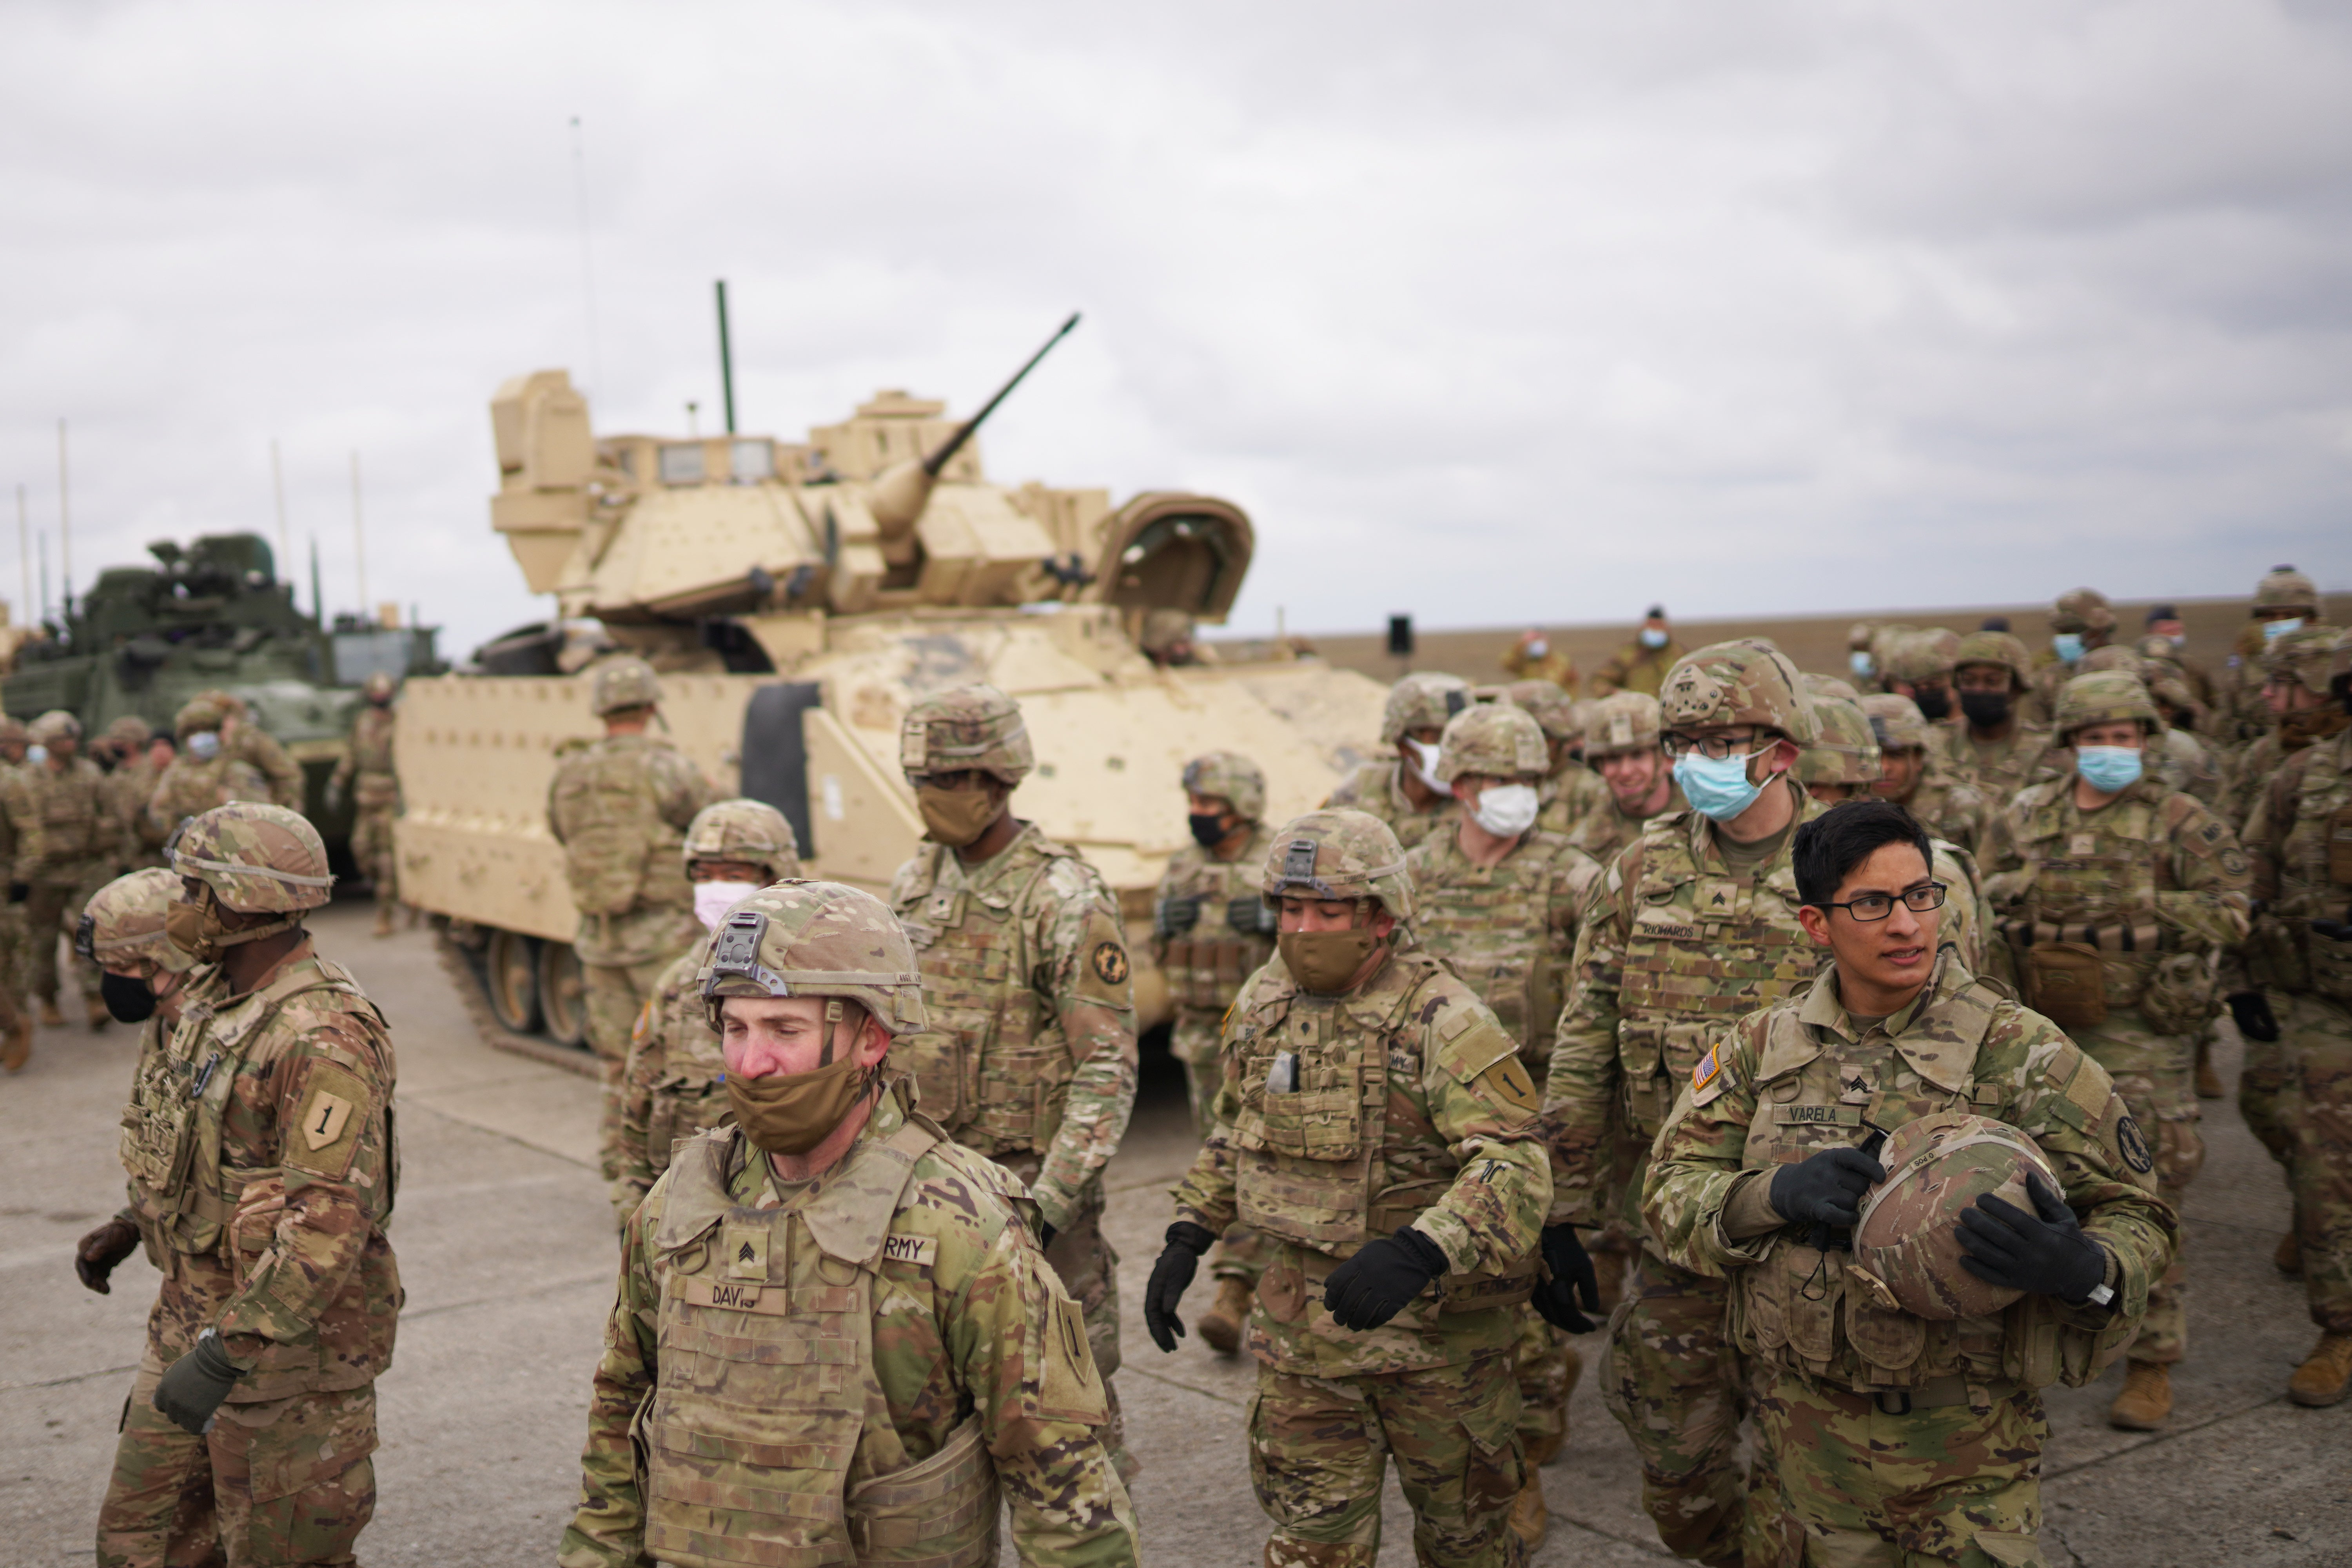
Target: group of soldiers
{"points": [[1825, 1044]]}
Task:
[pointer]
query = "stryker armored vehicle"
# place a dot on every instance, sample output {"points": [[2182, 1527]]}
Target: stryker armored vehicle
{"points": [[797, 596]]}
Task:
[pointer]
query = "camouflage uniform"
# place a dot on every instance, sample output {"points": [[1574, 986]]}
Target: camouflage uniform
{"points": [[1624, 722], [620, 807], [1949, 809], [1411, 1110], [130, 784], [2283, 596], [1896, 1439], [2082, 613], [1637, 668], [1998, 768], [78, 850], [1421, 702], [258, 749], [1570, 791], [1552, 667], [2183, 761], [1675, 945], [1029, 1057], [368, 776], [2301, 657], [193, 785], [2111, 920], [1506, 931], [673, 1084], [2300, 834], [259, 1145]]}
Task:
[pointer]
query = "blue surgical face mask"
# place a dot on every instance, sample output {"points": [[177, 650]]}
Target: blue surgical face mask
{"points": [[1718, 791], [1653, 638], [2273, 630], [2069, 645], [2110, 770], [204, 745], [1861, 663], [37, 755]]}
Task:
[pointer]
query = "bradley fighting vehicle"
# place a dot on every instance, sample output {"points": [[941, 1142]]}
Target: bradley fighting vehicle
{"points": [[796, 597]]}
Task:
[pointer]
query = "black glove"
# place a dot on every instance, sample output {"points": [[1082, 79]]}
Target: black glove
{"points": [[101, 1250], [1176, 916], [1826, 1189], [1169, 1277], [19, 891], [1253, 916], [1388, 1271], [2251, 1009], [1568, 1278], [194, 1386], [2334, 931], [2047, 1255]]}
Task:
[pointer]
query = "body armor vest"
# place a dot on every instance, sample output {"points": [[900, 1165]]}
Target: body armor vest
{"points": [[374, 782], [1492, 925], [688, 1093], [993, 1066], [768, 1394], [2314, 873], [73, 823], [618, 853], [1207, 965]]}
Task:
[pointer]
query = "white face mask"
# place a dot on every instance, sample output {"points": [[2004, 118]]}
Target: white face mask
{"points": [[713, 899], [204, 745], [37, 755], [1506, 810], [1427, 765]]}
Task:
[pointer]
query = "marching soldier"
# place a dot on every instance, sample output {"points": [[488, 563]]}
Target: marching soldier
{"points": [[260, 1146], [835, 1340], [1404, 791], [673, 1085], [1375, 1125], [78, 847], [1210, 931], [367, 775], [1029, 1057]]}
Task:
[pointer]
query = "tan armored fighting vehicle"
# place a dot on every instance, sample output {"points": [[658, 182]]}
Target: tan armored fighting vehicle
{"points": [[796, 597]]}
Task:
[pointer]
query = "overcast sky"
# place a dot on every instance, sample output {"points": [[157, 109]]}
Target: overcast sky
{"points": [[1492, 314]]}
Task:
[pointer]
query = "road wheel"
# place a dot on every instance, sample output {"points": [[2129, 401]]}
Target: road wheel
{"points": [[510, 972], [563, 995]]}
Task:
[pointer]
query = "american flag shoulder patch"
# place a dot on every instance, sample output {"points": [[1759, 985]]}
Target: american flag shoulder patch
{"points": [[1708, 1067]]}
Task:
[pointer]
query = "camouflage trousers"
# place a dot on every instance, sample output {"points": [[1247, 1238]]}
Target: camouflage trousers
{"points": [[2317, 1106], [615, 994], [1088, 1266], [53, 908], [1320, 1448], [1858, 1487], [283, 1481], [2156, 1074], [1241, 1253], [371, 847], [1541, 1364], [1675, 1382]]}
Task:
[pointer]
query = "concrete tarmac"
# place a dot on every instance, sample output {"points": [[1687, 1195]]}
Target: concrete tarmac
{"points": [[505, 1242]]}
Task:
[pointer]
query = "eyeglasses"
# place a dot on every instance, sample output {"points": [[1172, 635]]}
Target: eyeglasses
{"points": [[1878, 905], [1713, 747]]}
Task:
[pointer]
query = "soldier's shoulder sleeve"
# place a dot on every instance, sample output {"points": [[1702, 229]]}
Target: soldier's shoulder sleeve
{"points": [[334, 1057], [953, 1210], [1460, 1035]]}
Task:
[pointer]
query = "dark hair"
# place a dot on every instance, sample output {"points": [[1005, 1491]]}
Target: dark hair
{"points": [[1831, 845], [1994, 623]]}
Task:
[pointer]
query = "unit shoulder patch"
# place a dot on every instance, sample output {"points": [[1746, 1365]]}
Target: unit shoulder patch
{"points": [[2133, 1146], [1509, 1082], [327, 1128], [1071, 1387], [1108, 961]]}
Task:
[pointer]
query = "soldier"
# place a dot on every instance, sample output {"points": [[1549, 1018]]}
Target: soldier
{"points": [[368, 776], [201, 776], [2284, 600], [1533, 658], [620, 807], [1375, 1124], [1497, 901], [1622, 750], [674, 1084], [248, 741], [2164, 626], [2294, 688], [131, 783], [1030, 1055], [1919, 669], [14, 740], [1571, 790], [1692, 925], [1640, 665], [1168, 640], [1993, 747], [1404, 790], [260, 1146], [2301, 836], [1210, 931], [1911, 774], [78, 850], [2080, 620], [1904, 1436], [2114, 893], [953, 1369], [2179, 759]]}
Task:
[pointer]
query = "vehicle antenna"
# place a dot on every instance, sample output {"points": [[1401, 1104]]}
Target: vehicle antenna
{"points": [[278, 489], [64, 528], [24, 555], [358, 538], [726, 359]]}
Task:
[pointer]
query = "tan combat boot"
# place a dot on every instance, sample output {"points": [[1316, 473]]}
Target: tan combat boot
{"points": [[2326, 1376], [1221, 1325], [2209, 1082], [50, 1017], [17, 1049], [2147, 1398], [2289, 1255], [382, 919], [1531, 1520]]}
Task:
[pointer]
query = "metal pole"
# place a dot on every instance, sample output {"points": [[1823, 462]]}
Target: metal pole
{"points": [[278, 490], [23, 557], [358, 541], [726, 359], [318, 600], [64, 527], [43, 544]]}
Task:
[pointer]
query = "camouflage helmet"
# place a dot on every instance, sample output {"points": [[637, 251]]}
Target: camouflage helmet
{"points": [[1163, 628], [380, 684], [2304, 657], [13, 729], [803, 938], [1551, 705], [975, 727], [1996, 648], [1746, 682], [2081, 610], [2105, 697], [1231, 777], [1907, 1240], [1845, 749], [1422, 700], [129, 731], [1338, 854], [1921, 656], [621, 683], [1499, 739], [1624, 722], [1819, 686], [1895, 721], [57, 725], [197, 715], [750, 831], [2156, 648], [2284, 588], [256, 859], [2113, 657], [123, 924]]}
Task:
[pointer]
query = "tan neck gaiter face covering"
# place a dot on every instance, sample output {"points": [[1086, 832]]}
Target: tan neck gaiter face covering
{"points": [[956, 816], [1325, 961], [792, 1112]]}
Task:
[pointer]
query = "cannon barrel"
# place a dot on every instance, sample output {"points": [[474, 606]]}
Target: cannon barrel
{"points": [[900, 495]]}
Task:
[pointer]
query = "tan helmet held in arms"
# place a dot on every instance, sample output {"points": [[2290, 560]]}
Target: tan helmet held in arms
{"points": [[1500, 739], [617, 684], [122, 925], [1744, 683], [1422, 700], [1342, 856], [256, 859], [972, 727], [2105, 697], [1231, 777], [1908, 1239], [1623, 722], [815, 938], [749, 831]]}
